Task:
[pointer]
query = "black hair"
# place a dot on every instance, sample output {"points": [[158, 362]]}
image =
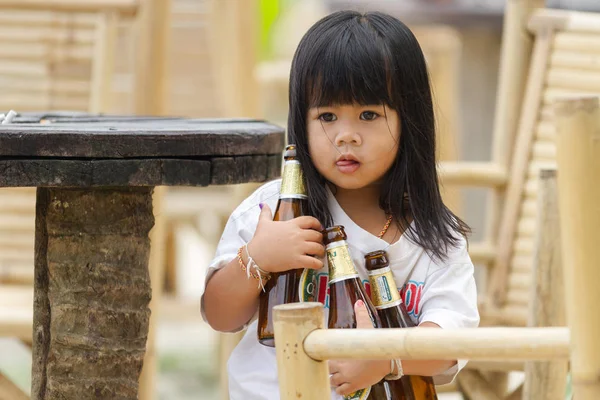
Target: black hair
{"points": [[373, 58]]}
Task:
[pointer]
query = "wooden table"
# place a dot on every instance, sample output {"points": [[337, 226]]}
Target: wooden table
{"points": [[95, 177]]}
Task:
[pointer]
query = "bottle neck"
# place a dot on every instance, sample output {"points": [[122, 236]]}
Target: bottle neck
{"points": [[341, 266], [384, 292], [292, 181]]}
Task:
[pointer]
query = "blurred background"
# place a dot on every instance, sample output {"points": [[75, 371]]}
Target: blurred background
{"points": [[216, 59]]}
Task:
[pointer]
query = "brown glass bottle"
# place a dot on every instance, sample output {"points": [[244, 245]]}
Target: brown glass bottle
{"points": [[345, 289], [392, 313], [282, 288]]}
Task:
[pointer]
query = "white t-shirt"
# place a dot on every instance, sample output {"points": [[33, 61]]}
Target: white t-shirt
{"points": [[441, 293]]}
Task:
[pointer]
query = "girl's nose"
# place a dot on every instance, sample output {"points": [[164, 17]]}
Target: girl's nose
{"points": [[348, 134]]}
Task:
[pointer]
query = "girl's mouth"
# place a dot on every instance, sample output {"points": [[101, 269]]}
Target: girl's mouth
{"points": [[347, 166]]}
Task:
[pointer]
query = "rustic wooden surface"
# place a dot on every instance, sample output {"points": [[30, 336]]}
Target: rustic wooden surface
{"points": [[83, 150], [92, 290], [141, 138]]}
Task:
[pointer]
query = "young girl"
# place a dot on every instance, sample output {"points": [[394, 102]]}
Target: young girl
{"points": [[361, 116]]}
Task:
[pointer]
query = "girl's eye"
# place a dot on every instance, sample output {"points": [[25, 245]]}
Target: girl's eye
{"points": [[368, 115], [327, 117]]}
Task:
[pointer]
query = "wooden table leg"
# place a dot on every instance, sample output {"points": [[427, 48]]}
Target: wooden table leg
{"points": [[92, 290]]}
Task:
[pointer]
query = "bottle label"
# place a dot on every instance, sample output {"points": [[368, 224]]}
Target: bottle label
{"points": [[292, 182], [383, 288], [361, 394], [308, 285], [340, 263]]}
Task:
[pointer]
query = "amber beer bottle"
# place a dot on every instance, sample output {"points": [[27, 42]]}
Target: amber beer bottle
{"points": [[345, 289], [392, 313], [282, 288]]}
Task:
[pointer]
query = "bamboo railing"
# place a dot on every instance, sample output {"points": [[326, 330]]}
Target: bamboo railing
{"points": [[303, 346]]}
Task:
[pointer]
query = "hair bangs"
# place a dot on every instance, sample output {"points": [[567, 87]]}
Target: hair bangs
{"points": [[352, 67]]}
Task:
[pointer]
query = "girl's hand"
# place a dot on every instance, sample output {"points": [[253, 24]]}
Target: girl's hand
{"points": [[279, 246], [348, 376]]}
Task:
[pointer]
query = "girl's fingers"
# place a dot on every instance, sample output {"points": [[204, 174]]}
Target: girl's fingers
{"points": [[307, 222], [314, 249], [310, 262], [310, 235]]}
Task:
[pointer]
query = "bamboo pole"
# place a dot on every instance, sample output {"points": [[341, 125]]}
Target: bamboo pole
{"points": [[515, 54], [546, 380], [519, 163], [434, 344], [578, 139], [299, 375], [472, 174]]}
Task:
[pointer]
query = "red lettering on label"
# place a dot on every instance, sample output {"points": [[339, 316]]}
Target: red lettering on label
{"points": [[411, 296]]}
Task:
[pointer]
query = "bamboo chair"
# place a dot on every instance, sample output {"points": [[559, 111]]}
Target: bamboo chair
{"points": [[565, 61]]}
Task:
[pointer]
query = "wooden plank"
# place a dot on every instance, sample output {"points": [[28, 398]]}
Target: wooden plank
{"points": [[16, 255], [569, 41], [553, 93], [545, 131], [41, 52], [232, 169], [171, 138], [124, 7], [519, 281], [21, 240], [17, 274], [48, 18], [546, 380], [522, 263], [46, 87], [575, 61], [21, 223], [573, 79], [133, 172], [544, 151], [49, 36]]}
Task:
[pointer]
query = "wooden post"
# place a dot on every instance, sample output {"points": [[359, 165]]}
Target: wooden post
{"points": [[299, 375], [92, 291], [578, 155], [546, 380]]}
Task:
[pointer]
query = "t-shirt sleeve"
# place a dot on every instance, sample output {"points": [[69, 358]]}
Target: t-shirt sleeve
{"points": [[450, 299], [239, 229]]}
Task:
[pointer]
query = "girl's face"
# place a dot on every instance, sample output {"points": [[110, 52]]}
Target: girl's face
{"points": [[351, 145]]}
